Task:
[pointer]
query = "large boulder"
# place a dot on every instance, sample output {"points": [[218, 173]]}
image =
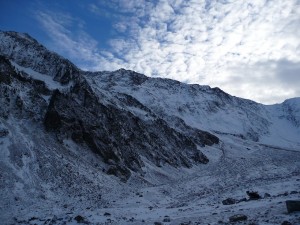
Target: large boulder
{"points": [[253, 195], [238, 217], [293, 205], [229, 201]]}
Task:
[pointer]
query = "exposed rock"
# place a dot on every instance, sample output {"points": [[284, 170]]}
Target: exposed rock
{"points": [[238, 217], [80, 219], [120, 171], [293, 205], [167, 219], [253, 195], [3, 132], [229, 201], [158, 223], [286, 223]]}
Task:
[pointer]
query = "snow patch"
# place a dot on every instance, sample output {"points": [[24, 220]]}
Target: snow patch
{"points": [[48, 80]]}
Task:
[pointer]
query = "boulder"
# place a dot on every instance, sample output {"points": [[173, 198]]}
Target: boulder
{"points": [[158, 223], [253, 195], [80, 219], [3, 132], [238, 217], [286, 223], [167, 219], [293, 205], [229, 201]]}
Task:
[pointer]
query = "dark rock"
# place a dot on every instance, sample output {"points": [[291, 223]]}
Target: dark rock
{"points": [[253, 195], [286, 223], [32, 218], [52, 120], [294, 192], [186, 223], [131, 219], [158, 223], [107, 214], [229, 201], [80, 219], [3, 132], [293, 205], [120, 171], [6, 71], [237, 218], [267, 195], [167, 219]]}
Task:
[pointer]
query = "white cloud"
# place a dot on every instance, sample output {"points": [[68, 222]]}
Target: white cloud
{"points": [[230, 44], [202, 41]]}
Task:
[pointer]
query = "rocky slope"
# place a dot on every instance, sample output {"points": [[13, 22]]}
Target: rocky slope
{"points": [[44, 86]]}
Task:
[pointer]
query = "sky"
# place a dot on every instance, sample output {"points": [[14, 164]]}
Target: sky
{"points": [[248, 48]]}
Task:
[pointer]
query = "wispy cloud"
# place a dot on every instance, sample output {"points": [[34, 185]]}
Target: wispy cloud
{"points": [[75, 42], [248, 48]]}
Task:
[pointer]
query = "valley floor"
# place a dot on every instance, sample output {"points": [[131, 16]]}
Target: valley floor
{"points": [[175, 196]]}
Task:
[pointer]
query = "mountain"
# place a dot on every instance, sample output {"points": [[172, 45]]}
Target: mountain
{"points": [[64, 131], [205, 108]]}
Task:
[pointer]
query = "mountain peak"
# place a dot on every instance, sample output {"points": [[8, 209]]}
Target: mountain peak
{"points": [[18, 35], [26, 52]]}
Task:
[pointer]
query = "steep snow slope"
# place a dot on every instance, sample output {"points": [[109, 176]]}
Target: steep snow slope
{"points": [[64, 132], [285, 126]]}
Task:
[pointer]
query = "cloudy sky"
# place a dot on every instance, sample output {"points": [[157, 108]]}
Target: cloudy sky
{"points": [[248, 48]]}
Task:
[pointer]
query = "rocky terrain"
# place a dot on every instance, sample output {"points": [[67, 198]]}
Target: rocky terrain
{"points": [[122, 148]]}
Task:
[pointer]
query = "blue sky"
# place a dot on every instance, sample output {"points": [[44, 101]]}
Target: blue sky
{"points": [[249, 48]]}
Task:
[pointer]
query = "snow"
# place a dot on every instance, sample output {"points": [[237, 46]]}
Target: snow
{"points": [[183, 195], [284, 130], [48, 80]]}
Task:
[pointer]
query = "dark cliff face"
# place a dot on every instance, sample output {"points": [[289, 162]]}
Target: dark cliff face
{"points": [[100, 121], [20, 96], [118, 136]]}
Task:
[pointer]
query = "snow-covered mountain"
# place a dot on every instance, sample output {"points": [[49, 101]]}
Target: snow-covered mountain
{"points": [[206, 108], [64, 132]]}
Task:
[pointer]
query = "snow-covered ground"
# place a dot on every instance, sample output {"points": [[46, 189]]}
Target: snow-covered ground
{"points": [[181, 196]]}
